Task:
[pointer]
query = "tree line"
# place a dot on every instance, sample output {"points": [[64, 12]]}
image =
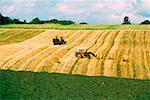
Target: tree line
{"points": [[54, 21], [8, 20]]}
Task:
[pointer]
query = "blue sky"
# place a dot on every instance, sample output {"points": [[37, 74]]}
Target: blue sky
{"points": [[91, 11]]}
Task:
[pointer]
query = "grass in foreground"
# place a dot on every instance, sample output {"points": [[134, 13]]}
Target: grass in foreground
{"points": [[78, 26], [29, 85]]}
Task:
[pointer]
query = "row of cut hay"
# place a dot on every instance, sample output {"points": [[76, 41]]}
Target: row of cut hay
{"points": [[147, 47], [70, 54], [23, 58], [3, 30], [43, 39], [72, 40], [32, 42], [113, 57], [75, 66], [101, 54], [6, 33], [67, 63], [14, 36], [14, 47], [8, 50], [131, 56], [19, 46], [81, 66], [147, 51], [124, 54], [16, 51], [56, 56], [103, 51], [11, 59], [21, 55], [92, 68], [34, 60], [138, 57], [144, 57], [124, 60], [99, 41]]}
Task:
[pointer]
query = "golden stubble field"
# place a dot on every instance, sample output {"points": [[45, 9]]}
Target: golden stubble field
{"points": [[121, 53]]}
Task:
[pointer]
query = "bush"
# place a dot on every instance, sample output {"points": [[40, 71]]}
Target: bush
{"points": [[145, 22], [83, 23], [36, 21], [65, 22]]}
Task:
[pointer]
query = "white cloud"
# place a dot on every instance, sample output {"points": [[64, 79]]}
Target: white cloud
{"points": [[142, 8], [18, 6], [91, 11], [108, 10]]}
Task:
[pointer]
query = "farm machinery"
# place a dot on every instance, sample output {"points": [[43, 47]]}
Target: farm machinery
{"points": [[58, 41], [83, 54]]}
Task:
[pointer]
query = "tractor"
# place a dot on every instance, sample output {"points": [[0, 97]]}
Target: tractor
{"points": [[83, 54], [60, 41]]}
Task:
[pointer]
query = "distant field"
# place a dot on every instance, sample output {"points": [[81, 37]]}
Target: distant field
{"points": [[120, 53], [45, 86], [78, 26]]}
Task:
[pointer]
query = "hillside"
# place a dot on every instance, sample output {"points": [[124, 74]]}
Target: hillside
{"points": [[121, 53]]}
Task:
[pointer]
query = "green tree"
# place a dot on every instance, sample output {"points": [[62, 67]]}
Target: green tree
{"points": [[145, 22], [36, 21], [1, 19], [126, 20], [16, 21], [53, 21], [24, 22], [5, 20]]}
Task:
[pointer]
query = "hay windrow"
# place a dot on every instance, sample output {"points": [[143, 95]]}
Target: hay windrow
{"points": [[120, 53]]}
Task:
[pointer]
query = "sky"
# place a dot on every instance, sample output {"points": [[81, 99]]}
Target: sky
{"points": [[90, 11]]}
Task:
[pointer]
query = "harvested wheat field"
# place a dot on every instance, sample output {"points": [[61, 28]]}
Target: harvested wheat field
{"points": [[120, 53]]}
